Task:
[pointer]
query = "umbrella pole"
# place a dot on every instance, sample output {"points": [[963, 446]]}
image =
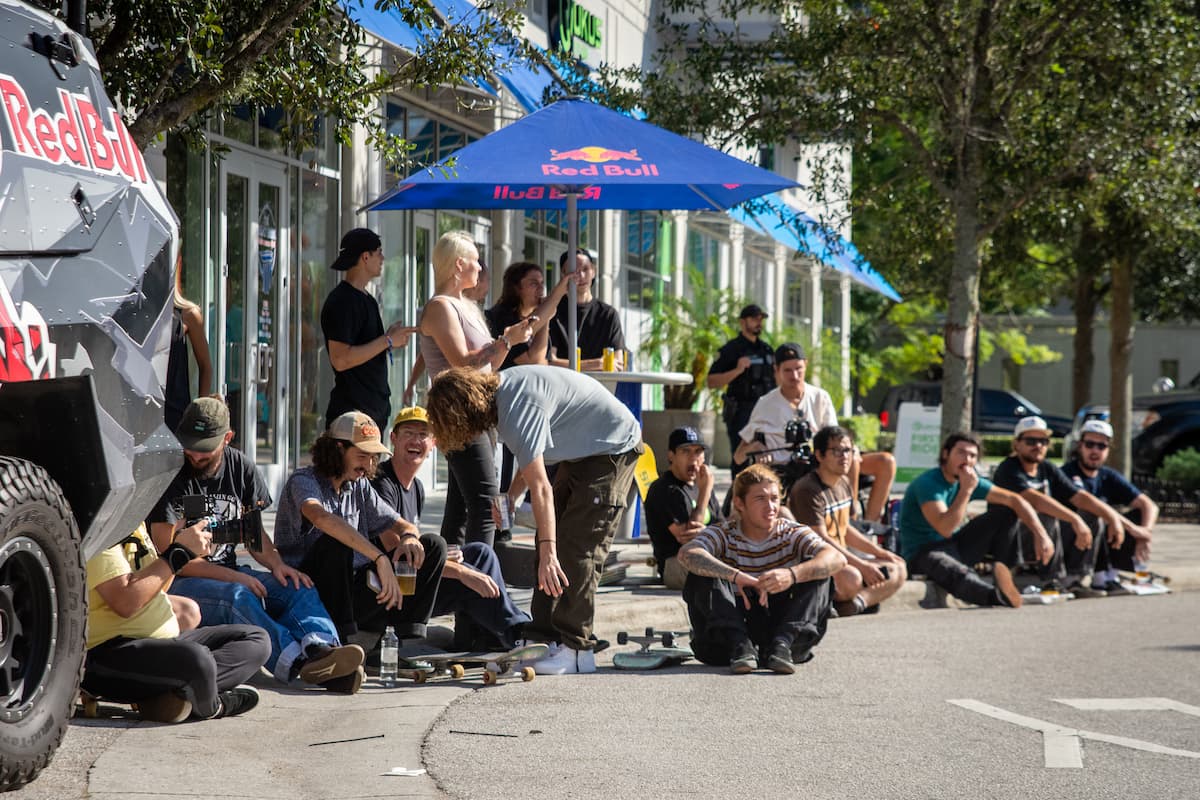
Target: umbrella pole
{"points": [[572, 263]]}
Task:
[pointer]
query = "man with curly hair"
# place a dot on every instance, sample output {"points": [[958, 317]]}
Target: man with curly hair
{"points": [[553, 416], [333, 526]]}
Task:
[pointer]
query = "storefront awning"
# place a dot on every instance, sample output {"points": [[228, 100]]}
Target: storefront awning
{"points": [[794, 228]]}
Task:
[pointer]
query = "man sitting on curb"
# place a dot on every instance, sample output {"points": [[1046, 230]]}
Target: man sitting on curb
{"points": [[822, 500], [680, 503], [472, 585], [332, 525], [1048, 490], [281, 601], [137, 652], [758, 592], [1088, 471], [937, 541]]}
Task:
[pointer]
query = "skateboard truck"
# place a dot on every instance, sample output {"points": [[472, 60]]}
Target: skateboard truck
{"points": [[652, 637]]}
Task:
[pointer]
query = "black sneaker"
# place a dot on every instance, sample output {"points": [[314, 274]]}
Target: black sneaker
{"points": [[599, 645], [743, 659], [237, 700], [779, 658]]}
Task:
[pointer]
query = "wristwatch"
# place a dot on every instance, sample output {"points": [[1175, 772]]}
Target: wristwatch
{"points": [[177, 557]]}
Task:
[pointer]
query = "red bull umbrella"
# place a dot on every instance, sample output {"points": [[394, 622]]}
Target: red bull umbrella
{"points": [[574, 154]]}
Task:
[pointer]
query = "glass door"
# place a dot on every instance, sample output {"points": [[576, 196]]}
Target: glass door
{"points": [[252, 312]]}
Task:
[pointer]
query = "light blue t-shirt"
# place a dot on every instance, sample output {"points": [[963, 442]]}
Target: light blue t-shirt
{"points": [[915, 530], [561, 415]]}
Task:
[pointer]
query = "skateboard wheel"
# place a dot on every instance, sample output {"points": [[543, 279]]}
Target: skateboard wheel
{"points": [[668, 639], [527, 674], [622, 638], [420, 676], [457, 671], [489, 677], [90, 709], [650, 632]]}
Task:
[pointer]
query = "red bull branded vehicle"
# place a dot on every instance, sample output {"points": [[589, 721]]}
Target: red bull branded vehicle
{"points": [[87, 248]]}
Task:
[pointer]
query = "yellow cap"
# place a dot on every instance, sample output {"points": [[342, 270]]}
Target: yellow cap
{"points": [[410, 414]]}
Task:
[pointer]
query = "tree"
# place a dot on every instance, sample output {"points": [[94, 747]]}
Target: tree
{"points": [[168, 63], [996, 100]]}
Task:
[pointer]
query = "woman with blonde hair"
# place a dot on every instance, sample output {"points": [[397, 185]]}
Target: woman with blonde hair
{"points": [[454, 333]]}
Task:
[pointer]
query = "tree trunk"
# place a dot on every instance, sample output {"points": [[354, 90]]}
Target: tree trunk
{"points": [[958, 378], [1120, 354], [1087, 299]]}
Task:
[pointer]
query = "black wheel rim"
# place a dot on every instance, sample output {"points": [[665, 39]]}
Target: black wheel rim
{"points": [[28, 626]]}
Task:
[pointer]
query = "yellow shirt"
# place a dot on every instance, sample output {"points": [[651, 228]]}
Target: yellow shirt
{"points": [[155, 620]]}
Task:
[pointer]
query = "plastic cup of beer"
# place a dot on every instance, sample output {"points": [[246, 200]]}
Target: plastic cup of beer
{"points": [[500, 505], [406, 577]]}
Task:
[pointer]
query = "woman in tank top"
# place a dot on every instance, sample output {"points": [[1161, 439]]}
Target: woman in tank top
{"points": [[454, 333]]}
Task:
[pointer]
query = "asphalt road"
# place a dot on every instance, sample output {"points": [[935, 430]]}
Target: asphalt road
{"points": [[872, 716]]}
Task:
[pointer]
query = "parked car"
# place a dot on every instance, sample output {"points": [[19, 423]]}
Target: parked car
{"points": [[997, 410], [1161, 424]]}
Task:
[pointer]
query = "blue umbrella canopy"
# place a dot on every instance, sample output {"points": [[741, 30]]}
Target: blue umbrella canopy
{"points": [[604, 158]]}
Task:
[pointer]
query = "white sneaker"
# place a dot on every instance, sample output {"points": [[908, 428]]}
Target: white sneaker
{"points": [[560, 661], [585, 661]]}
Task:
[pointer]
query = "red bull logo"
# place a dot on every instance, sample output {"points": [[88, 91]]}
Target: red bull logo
{"points": [[505, 192], [26, 352], [598, 158]]}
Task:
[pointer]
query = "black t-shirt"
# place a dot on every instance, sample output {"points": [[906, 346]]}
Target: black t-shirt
{"points": [[1048, 479], [498, 318], [236, 489], [1107, 484], [598, 327], [670, 500], [407, 502], [352, 317], [755, 381]]}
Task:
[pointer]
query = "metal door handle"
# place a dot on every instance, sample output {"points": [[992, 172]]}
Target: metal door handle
{"points": [[266, 357]]}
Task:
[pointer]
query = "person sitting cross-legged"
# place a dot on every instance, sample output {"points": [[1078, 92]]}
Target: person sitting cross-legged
{"points": [[758, 592]]}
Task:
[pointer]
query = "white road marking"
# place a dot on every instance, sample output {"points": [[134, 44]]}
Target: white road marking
{"points": [[1130, 704], [1060, 744]]}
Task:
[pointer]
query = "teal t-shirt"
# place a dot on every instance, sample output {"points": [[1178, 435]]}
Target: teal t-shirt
{"points": [[915, 530]]}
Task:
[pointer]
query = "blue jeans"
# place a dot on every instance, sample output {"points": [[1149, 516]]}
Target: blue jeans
{"points": [[293, 618], [496, 615]]}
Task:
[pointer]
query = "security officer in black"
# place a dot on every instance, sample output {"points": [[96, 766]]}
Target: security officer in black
{"points": [[745, 366]]}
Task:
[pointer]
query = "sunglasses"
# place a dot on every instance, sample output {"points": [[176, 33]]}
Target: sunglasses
{"points": [[1035, 441], [1094, 445]]}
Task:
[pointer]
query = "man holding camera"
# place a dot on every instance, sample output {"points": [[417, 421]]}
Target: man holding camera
{"points": [[220, 483]]}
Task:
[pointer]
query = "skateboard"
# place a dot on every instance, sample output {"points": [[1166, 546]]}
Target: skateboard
{"points": [[93, 707], [648, 656], [645, 472], [455, 665]]}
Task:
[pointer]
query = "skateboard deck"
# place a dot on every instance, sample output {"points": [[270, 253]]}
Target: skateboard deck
{"points": [[645, 472], [652, 658], [92, 707], [455, 665]]}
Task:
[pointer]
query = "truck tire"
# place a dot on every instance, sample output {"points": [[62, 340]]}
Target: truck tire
{"points": [[43, 611]]}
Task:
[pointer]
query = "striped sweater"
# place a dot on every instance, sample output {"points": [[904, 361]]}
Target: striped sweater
{"points": [[789, 543]]}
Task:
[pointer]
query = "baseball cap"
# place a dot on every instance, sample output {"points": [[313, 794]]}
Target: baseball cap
{"points": [[1027, 424], [788, 351], [1098, 426], [753, 310], [356, 242], [410, 414], [359, 430], [682, 436], [203, 425]]}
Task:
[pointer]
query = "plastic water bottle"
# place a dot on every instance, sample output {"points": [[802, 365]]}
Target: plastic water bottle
{"points": [[389, 657]]}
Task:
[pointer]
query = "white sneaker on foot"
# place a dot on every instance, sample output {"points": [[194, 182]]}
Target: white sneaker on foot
{"points": [[585, 661], [560, 661]]}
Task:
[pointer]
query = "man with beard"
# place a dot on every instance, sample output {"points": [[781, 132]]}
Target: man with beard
{"points": [[680, 504], [283, 602], [745, 367], [1088, 470], [332, 525], [1050, 492], [472, 585]]}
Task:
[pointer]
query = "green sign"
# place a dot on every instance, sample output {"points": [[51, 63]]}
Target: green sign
{"points": [[574, 29]]}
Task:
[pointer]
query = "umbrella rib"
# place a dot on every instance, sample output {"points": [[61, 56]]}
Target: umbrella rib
{"points": [[716, 206]]}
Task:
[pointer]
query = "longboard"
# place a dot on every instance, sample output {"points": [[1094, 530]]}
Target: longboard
{"points": [[423, 667]]}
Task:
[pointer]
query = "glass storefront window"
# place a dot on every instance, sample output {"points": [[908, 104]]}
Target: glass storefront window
{"points": [[318, 244], [238, 124], [642, 282]]}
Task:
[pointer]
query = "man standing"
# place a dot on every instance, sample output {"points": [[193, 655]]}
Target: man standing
{"points": [[597, 323], [332, 525], [472, 585], [304, 642], [938, 542], [1049, 491], [795, 398], [680, 504], [553, 416], [745, 367], [758, 592], [137, 652], [1088, 471], [357, 344], [823, 500]]}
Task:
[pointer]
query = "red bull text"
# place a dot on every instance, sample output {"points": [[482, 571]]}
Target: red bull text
{"points": [[597, 158]]}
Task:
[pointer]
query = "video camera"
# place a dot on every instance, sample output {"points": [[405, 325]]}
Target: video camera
{"points": [[246, 529], [795, 459]]}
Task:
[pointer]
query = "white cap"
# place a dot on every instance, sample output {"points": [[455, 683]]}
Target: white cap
{"points": [[1097, 426], [1028, 424]]}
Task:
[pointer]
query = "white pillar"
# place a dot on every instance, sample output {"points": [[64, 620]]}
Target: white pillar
{"points": [[844, 298], [737, 259], [816, 304], [777, 299], [679, 273]]}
